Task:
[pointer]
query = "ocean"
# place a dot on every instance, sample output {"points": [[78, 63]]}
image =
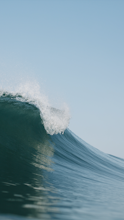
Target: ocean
{"points": [[47, 172]]}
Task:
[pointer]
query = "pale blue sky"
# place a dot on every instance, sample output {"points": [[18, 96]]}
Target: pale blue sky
{"points": [[75, 50]]}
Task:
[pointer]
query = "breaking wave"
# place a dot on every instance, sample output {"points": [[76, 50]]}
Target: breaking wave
{"points": [[46, 171]]}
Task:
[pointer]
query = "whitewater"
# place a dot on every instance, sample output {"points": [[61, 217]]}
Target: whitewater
{"points": [[46, 171]]}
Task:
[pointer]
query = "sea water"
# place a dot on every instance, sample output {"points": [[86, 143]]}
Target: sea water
{"points": [[46, 171]]}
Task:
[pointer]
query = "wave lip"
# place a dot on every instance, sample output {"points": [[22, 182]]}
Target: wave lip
{"points": [[54, 120]]}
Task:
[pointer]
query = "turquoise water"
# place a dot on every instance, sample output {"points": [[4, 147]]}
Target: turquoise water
{"points": [[45, 174]]}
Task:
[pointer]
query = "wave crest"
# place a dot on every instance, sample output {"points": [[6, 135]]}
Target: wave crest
{"points": [[54, 120]]}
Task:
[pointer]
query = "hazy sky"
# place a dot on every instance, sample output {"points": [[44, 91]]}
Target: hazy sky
{"points": [[75, 51]]}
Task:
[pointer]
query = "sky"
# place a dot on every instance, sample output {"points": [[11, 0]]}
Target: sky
{"points": [[75, 51]]}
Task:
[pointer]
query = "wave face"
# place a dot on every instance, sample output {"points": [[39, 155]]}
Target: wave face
{"points": [[47, 172]]}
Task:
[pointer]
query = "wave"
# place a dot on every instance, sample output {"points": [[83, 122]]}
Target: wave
{"points": [[47, 172]]}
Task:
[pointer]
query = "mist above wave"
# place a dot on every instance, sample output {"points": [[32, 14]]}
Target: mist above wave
{"points": [[54, 120]]}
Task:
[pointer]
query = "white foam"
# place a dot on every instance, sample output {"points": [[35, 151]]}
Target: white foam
{"points": [[55, 121]]}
